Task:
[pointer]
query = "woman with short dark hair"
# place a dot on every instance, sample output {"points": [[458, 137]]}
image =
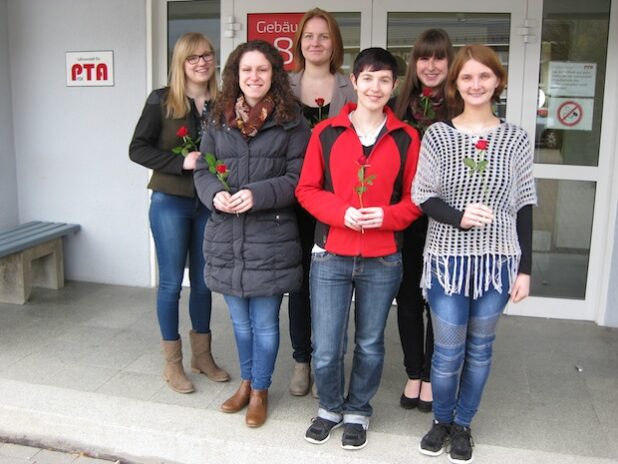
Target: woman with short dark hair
{"points": [[356, 180]]}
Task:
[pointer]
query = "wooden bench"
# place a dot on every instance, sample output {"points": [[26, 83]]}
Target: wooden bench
{"points": [[31, 255]]}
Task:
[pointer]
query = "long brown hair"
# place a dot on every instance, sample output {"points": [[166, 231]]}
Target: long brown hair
{"points": [[431, 43], [286, 106], [484, 55], [336, 58], [177, 104]]}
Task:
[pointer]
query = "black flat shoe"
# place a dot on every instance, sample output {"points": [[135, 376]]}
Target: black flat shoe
{"points": [[408, 403], [424, 406]]}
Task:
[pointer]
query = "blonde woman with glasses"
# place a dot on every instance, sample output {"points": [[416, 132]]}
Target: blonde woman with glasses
{"points": [[174, 116]]}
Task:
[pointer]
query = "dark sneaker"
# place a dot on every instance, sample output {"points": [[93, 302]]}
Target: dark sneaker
{"points": [[460, 449], [354, 437], [319, 431], [435, 441]]}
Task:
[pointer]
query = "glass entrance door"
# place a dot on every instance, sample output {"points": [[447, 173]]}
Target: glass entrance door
{"points": [[543, 48]]}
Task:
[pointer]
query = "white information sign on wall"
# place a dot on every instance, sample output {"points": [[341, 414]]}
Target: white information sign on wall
{"points": [[571, 79], [90, 69], [570, 113]]}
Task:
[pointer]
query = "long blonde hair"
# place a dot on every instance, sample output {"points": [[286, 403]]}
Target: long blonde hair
{"points": [[177, 103]]}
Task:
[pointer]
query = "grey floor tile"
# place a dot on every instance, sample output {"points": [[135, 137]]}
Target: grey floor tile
{"points": [[33, 369], [12, 450], [10, 460], [53, 457], [83, 378], [132, 385]]}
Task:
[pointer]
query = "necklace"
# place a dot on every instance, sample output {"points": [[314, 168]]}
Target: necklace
{"points": [[366, 131]]}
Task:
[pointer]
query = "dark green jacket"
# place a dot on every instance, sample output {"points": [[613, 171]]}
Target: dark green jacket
{"points": [[152, 143]]}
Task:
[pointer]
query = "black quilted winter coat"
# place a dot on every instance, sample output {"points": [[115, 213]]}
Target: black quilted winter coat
{"points": [[256, 253]]}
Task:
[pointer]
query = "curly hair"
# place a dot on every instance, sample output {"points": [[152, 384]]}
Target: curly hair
{"points": [[286, 106]]}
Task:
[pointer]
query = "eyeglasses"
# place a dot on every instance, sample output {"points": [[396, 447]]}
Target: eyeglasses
{"points": [[195, 59]]}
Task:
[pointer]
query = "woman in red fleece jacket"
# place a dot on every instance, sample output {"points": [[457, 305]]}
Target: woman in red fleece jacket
{"points": [[356, 181]]}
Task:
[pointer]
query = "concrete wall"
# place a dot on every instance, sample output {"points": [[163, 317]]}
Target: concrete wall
{"points": [[8, 184], [71, 142]]}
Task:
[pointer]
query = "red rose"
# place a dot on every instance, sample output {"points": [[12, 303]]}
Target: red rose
{"points": [[320, 102], [221, 168], [182, 132], [362, 160], [481, 144], [427, 92]]}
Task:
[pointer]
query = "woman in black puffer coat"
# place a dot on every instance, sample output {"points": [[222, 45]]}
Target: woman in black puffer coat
{"points": [[254, 150]]}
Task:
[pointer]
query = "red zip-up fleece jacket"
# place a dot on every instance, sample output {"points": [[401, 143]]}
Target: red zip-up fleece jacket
{"points": [[329, 177]]}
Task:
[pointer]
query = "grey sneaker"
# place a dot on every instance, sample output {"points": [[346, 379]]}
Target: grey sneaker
{"points": [[435, 441], [354, 437], [460, 449], [319, 431]]}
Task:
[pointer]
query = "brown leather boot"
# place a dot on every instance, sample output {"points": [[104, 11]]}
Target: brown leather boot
{"points": [[258, 405], [238, 400], [173, 372], [202, 361]]}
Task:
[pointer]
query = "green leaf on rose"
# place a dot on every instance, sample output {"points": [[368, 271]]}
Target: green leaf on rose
{"points": [[470, 163]]}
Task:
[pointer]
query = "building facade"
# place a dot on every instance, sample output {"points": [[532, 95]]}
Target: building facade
{"points": [[63, 147]]}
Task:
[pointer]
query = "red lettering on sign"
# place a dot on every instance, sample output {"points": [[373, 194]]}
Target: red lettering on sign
{"points": [[89, 67], [76, 70], [101, 72]]}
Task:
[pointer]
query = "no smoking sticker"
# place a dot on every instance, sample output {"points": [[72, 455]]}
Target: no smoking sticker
{"points": [[570, 113]]}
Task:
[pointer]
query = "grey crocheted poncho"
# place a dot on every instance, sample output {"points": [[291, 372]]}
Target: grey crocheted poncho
{"points": [[506, 184]]}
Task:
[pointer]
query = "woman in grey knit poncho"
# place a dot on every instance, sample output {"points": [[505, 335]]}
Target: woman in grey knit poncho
{"points": [[475, 182]]}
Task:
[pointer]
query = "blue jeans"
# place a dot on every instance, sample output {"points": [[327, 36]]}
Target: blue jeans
{"points": [[375, 282], [256, 330], [177, 225], [464, 331]]}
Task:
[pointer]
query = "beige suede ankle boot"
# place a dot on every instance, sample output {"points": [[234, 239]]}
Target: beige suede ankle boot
{"points": [[301, 380], [174, 372], [202, 360]]}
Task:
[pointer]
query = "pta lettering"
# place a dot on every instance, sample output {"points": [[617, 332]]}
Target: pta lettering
{"points": [[89, 72], [269, 28]]}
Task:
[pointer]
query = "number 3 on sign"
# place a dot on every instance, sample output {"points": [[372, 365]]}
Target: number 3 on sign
{"points": [[284, 45]]}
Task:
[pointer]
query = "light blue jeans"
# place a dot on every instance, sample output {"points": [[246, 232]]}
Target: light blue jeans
{"points": [[256, 330], [177, 225], [464, 331], [333, 279]]}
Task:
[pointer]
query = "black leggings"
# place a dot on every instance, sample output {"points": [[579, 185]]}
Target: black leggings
{"points": [[416, 336]]}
